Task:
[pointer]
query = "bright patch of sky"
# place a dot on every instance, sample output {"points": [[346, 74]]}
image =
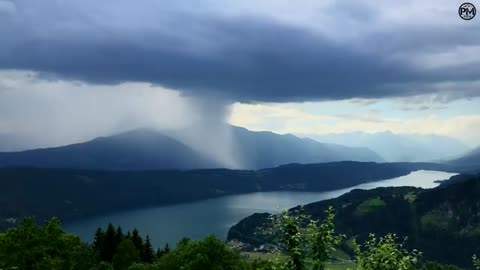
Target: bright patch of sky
{"points": [[459, 119]]}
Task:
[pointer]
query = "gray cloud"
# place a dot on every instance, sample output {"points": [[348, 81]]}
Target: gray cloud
{"points": [[39, 113], [242, 58]]}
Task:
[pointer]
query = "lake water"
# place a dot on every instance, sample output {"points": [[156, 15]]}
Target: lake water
{"points": [[168, 224]]}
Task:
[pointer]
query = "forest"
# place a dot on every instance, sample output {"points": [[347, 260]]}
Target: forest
{"points": [[304, 244], [442, 222]]}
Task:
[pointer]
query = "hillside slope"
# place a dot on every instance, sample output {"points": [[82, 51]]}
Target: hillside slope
{"points": [[443, 222], [470, 159]]}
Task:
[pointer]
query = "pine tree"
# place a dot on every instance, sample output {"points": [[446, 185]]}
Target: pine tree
{"points": [[119, 237], [159, 253], [98, 242], [166, 249], [109, 244], [137, 241], [148, 253]]}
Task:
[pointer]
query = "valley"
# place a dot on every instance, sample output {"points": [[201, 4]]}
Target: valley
{"points": [[73, 194], [168, 224]]}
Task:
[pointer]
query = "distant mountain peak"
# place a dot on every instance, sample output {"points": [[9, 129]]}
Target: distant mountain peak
{"points": [[400, 147], [151, 149]]}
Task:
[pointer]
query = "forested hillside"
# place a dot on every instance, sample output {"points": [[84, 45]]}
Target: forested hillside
{"points": [[33, 247], [443, 222], [71, 194]]}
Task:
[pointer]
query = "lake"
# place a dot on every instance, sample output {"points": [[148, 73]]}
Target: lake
{"points": [[168, 224]]}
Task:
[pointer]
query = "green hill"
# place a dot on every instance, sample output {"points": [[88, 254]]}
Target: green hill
{"points": [[444, 222]]}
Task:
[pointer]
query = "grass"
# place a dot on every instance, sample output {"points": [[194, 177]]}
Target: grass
{"points": [[368, 206], [258, 255], [340, 255], [341, 266], [330, 266], [434, 221]]}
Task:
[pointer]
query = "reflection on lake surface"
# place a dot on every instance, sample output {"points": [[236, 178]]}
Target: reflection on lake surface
{"points": [[215, 216]]}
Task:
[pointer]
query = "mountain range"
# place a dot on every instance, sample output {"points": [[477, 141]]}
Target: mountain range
{"points": [[148, 149], [267, 149], [140, 149], [400, 147]]}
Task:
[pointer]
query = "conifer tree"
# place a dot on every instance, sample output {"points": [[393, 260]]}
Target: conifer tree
{"points": [[166, 249], [137, 241], [98, 242], [161, 252], [118, 236], [148, 253], [109, 244]]}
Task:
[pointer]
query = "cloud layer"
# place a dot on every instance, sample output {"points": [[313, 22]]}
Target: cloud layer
{"points": [[249, 51], [52, 113]]}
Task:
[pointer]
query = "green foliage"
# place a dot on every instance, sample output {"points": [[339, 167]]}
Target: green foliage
{"points": [[102, 266], [160, 252], [98, 242], [32, 247], [137, 240], [209, 253], [277, 262], [442, 222], [111, 246], [476, 262], [369, 206], [119, 236], [323, 239], [140, 266], [304, 238], [308, 244], [126, 255], [438, 266], [288, 227], [385, 253], [434, 222], [148, 255]]}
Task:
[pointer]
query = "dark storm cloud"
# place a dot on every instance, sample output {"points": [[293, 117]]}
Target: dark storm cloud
{"points": [[242, 58]]}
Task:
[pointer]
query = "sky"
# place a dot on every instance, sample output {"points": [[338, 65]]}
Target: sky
{"points": [[75, 69], [459, 119]]}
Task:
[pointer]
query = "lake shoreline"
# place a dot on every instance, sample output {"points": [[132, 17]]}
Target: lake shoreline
{"points": [[223, 211]]}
